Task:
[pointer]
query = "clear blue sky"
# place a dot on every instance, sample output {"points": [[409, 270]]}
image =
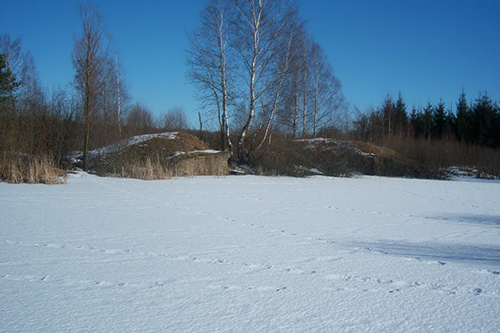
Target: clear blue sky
{"points": [[428, 49]]}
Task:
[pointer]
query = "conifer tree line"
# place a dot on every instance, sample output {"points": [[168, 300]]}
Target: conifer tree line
{"points": [[259, 71], [476, 123]]}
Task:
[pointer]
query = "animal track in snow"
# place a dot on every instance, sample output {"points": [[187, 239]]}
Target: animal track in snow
{"points": [[248, 267], [86, 283], [400, 286], [488, 271]]}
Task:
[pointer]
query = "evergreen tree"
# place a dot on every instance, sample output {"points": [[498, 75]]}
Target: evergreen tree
{"points": [[462, 122], [496, 127], [401, 115], [484, 117], [439, 120], [8, 83], [388, 111], [417, 122], [428, 121], [4, 77], [451, 120]]}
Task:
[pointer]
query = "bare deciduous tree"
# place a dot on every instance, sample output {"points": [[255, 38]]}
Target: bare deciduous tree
{"points": [[30, 83], [207, 61], [112, 97], [296, 85], [175, 119], [89, 56], [261, 33], [139, 120], [260, 62], [121, 93], [327, 96]]}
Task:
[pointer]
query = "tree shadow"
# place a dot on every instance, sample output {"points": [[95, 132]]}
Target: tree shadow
{"points": [[439, 252], [478, 219]]}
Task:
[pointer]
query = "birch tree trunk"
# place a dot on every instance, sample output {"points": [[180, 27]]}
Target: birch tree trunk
{"points": [[118, 98]]}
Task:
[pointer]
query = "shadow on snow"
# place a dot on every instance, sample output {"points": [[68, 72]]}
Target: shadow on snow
{"points": [[470, 219], [480, 254]]}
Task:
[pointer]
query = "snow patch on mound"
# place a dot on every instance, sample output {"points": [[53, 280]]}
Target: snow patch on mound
{"points": [[333, 145], [132, 141]]}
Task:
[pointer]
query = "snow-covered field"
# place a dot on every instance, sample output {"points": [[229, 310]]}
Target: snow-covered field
{"points": [[250, 254]]}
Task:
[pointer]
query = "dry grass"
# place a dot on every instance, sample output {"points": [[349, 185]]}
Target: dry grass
{"points": [[155, 169], [30, 170], [199, 164], [437, 155], [162, 159], [150, 169]]}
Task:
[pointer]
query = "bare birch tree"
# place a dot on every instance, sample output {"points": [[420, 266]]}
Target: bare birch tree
{"points": [[89, 56], [295, 86], [208, 65], [261, 32], [305, 56], [121, 93], [256, 57], [112, 97], [327, 97], [30, 82]]}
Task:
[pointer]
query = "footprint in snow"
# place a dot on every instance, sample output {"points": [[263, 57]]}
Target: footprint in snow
{"points": [[478, 291], [57, 246]]}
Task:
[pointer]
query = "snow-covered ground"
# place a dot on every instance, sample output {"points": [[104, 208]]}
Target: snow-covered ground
{"points": [[250, 254]]}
